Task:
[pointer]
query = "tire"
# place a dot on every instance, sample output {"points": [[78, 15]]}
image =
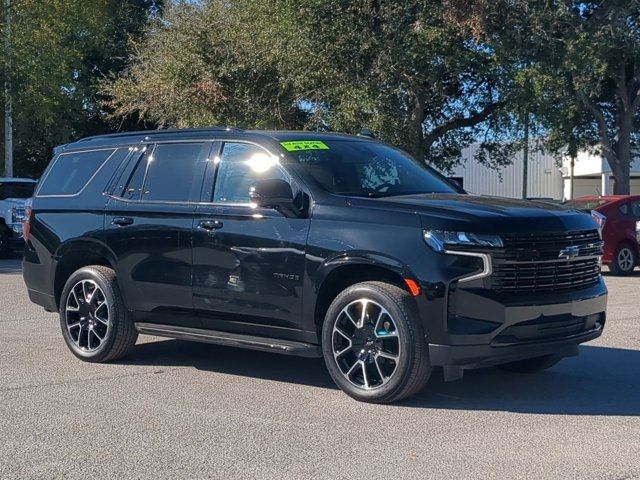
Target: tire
{"points": [[359, 358], [95, 333], [531, 365], [624, 260]]}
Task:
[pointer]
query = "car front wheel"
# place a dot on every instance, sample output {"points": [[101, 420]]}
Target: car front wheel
{"points": [[374, 344]]}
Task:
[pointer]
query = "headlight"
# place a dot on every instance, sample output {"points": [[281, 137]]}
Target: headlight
{"points": [[446, 242], [441, 240]]}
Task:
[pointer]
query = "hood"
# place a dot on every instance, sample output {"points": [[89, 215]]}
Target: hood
{"points": [[461, 212]]}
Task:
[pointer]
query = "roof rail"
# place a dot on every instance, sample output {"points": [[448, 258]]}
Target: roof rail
{"points": [[161, 132]]}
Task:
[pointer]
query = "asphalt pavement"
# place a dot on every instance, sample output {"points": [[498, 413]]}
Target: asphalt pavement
{"points": [[184, 410]]}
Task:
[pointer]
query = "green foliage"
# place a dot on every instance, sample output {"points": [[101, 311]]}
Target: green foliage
{"points": [[58, 51], [431, 76], [206, 64], [579, 71], [397, 67]]}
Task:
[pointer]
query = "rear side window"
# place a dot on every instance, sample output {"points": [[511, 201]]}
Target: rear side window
{"points": [[72, 171], [166, 173]]}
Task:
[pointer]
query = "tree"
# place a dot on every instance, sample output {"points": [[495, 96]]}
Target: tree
{"points": [[59, 49], [398, 67], [206, 64], [602, 65], [583, 63]]}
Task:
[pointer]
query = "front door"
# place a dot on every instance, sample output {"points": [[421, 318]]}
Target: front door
{"points": [[148, 226], [248, 262]]}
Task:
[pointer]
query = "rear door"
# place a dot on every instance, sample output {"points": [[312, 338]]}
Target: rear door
{"points": [[248, 262], [148, 225]]}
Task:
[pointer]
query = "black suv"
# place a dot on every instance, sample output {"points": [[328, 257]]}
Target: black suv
{"points": [[307, 244]]}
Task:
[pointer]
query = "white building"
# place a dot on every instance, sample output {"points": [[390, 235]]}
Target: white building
{"points": [[547, 177]]}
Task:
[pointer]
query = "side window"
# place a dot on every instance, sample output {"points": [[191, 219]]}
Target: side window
{"points": [[71, 172], [133, 188], [635, 209], [242, 165], [165, 173]]}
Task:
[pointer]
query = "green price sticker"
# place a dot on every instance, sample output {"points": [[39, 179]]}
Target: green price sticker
{"points": [[300, 145]]}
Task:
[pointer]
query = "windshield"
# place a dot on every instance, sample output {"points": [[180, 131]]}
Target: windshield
{"points": [[367, 169], [585, 204], [16, 190]]}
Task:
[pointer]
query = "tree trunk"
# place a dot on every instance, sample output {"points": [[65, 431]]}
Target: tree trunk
{"points": [[525, 158], [622, 171], [417, 122], [8, 110]]}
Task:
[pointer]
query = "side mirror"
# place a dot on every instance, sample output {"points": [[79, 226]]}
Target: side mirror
{"points": [[272, 193]]}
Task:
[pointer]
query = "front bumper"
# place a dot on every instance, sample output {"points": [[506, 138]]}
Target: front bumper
{"points": [[473, 356], [484, 328]]}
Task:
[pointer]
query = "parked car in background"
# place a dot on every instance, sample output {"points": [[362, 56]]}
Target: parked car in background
{"points": [[620, 218], [13, 194]]}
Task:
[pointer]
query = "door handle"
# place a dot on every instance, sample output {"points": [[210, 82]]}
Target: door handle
{"points": [[122, 221], [210, 225]]}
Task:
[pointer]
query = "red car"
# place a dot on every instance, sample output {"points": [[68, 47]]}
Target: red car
{"points": [[619, 219]]}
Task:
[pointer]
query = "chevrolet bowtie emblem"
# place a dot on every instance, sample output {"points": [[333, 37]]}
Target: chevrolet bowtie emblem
{"points": [[569, 252]]}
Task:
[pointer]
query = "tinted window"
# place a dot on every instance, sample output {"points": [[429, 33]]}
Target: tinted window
{"points": [[635, 209], [71, 172], [166, 173], [369, 169], [134, 185], [241, 166], [16, 190]]}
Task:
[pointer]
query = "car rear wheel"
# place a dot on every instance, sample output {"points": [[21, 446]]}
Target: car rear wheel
{"points": [[531, 365], [94, 321], [374, 345], [624, 260]]}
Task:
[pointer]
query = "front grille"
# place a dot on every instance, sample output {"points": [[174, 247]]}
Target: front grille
{"points": [[536, 247], [534, 263]]}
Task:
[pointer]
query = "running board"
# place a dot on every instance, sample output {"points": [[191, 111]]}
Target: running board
{"points": [[287, 347]]}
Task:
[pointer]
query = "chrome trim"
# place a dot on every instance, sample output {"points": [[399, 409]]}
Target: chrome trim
{"points": [[487, 269]]}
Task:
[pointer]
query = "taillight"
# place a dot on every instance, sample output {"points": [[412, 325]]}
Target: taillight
{"points": [[26, 223]]}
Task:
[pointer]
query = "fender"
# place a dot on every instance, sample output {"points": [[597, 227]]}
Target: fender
{"points": [[318, 271], [359, 257], [83, 250]]}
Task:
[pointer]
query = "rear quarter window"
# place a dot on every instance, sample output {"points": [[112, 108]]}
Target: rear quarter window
{"points": [[72, 171]]}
